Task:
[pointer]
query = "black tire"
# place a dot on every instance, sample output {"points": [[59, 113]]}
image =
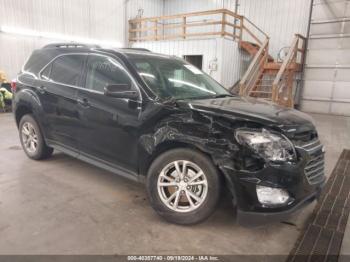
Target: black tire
{"points": [[42, 151], [208, 205]]}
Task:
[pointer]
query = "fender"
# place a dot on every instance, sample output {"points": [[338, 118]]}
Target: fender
{"points": [[28, 100], [187, 128]]}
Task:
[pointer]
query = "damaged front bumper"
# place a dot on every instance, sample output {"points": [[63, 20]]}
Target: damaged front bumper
{"points": [[293, 178], [251, 219]]}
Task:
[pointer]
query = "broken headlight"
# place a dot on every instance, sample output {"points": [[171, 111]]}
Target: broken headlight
{"points": [[270, 146]]}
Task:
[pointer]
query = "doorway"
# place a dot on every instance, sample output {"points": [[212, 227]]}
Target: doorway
{"points": [[196, 60]]}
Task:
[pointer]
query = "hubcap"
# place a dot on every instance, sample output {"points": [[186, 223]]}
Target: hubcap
{"points": [[182, 186], [29, 137]]}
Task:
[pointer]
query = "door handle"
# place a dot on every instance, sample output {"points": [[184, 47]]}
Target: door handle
{"points": [[84, 102], [42, 89]]}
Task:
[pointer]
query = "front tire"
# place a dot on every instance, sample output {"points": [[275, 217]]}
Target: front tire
{"points": [[183, 186], [32, 139]]}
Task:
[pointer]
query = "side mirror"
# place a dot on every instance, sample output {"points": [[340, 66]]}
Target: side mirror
{"points": [[120, 91]]}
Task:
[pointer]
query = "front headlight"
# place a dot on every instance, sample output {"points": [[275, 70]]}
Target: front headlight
{"points": [[270, 146]]}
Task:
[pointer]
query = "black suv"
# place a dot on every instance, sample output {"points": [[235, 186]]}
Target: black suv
{"points": [[159, 120]]}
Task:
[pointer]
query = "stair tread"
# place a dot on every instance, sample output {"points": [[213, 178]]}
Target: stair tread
{"points": [[252, 49], [261, 92]]}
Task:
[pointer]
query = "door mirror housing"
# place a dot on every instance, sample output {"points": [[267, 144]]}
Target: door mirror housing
{"points": [[120, 91]]}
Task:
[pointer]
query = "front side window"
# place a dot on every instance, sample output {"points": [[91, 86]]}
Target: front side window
{"points": [[174, 78], [66, 69], [103, 71]]}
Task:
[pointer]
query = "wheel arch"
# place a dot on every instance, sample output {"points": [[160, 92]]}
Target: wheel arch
{"points": [[21, 111], [169, 145]]}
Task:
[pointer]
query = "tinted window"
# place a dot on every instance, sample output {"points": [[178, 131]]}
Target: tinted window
{"points": [[103, 71], [67, 69]]}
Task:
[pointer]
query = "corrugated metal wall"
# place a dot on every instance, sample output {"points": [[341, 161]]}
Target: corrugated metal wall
{"points": [[146, 7], [97, 19], [187, 6], [280, 19], [327, 72]]}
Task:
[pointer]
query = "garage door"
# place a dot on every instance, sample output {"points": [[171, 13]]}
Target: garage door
{"points": [[327, 71]]}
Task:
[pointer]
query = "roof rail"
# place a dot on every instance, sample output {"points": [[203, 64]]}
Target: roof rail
{"points": [[70, 45], [136, 49]]}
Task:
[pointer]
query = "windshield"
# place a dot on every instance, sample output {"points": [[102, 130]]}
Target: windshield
{"points": [[173, 78]]}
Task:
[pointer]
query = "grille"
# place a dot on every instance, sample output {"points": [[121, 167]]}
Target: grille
{"points": [[311, 146], [314, 169]]}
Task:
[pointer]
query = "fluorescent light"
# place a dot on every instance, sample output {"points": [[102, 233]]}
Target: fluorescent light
{"points": [[61, 37]]}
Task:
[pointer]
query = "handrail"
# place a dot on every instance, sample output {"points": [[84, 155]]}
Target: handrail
{"points": [[256, 27], [282, 86], [223, 22], [254, 70], [201, 13]]}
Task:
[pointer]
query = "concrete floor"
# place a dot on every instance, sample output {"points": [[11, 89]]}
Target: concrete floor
{"points": [[65, 206]]}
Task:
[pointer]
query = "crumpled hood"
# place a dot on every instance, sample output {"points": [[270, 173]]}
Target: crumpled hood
{"points": [[254, 110]]}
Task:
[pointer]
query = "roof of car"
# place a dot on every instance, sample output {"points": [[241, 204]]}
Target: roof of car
{"points": [[81, 48], [41, 57]]}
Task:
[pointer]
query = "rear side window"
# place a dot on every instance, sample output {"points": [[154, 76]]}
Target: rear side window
{"points": [[65, 69], [103, 71]]}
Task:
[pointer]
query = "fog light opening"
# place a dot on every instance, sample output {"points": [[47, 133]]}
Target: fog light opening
{"points": [[269, 196]]}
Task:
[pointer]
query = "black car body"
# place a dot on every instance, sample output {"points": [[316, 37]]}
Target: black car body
{"points": [[126, 134]]}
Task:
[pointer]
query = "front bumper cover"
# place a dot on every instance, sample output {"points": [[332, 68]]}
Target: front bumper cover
{"points": [[288, 176], [251, 219]]}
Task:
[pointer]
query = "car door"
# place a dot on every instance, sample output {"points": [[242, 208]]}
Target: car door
{"points": [[110, 125], [57, 88]]}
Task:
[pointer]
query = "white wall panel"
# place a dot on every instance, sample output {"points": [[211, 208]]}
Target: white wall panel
{"points": [[147, 8], [232, 63], [103, 20], [280, 19], [172, 7]]}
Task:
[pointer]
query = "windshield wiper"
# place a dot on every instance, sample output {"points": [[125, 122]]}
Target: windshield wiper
{"points": [[223, 95], [169, 101]]}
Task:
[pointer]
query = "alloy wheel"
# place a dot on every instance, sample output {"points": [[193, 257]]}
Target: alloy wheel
{"points": [[182, 186], [29, 137]]}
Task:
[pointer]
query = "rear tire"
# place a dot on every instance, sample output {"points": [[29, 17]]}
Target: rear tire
{"points": [[32, 139], [183, 186]]}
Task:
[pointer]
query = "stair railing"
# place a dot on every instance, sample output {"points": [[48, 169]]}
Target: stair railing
{"points": [[255, 70], [211, 23], [253, 32], [282, 87]]}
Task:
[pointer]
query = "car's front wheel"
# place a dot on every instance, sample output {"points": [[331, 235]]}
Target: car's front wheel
{"points": [[183, 186]]}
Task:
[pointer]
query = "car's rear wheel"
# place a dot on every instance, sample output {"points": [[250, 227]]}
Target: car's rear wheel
{"points": [[32, 139], [183, 186]]}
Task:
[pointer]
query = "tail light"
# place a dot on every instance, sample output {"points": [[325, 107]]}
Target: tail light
{"points": [[13, 86]]}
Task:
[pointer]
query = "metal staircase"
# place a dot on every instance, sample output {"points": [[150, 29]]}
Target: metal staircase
{"points": [[271, 80]]}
